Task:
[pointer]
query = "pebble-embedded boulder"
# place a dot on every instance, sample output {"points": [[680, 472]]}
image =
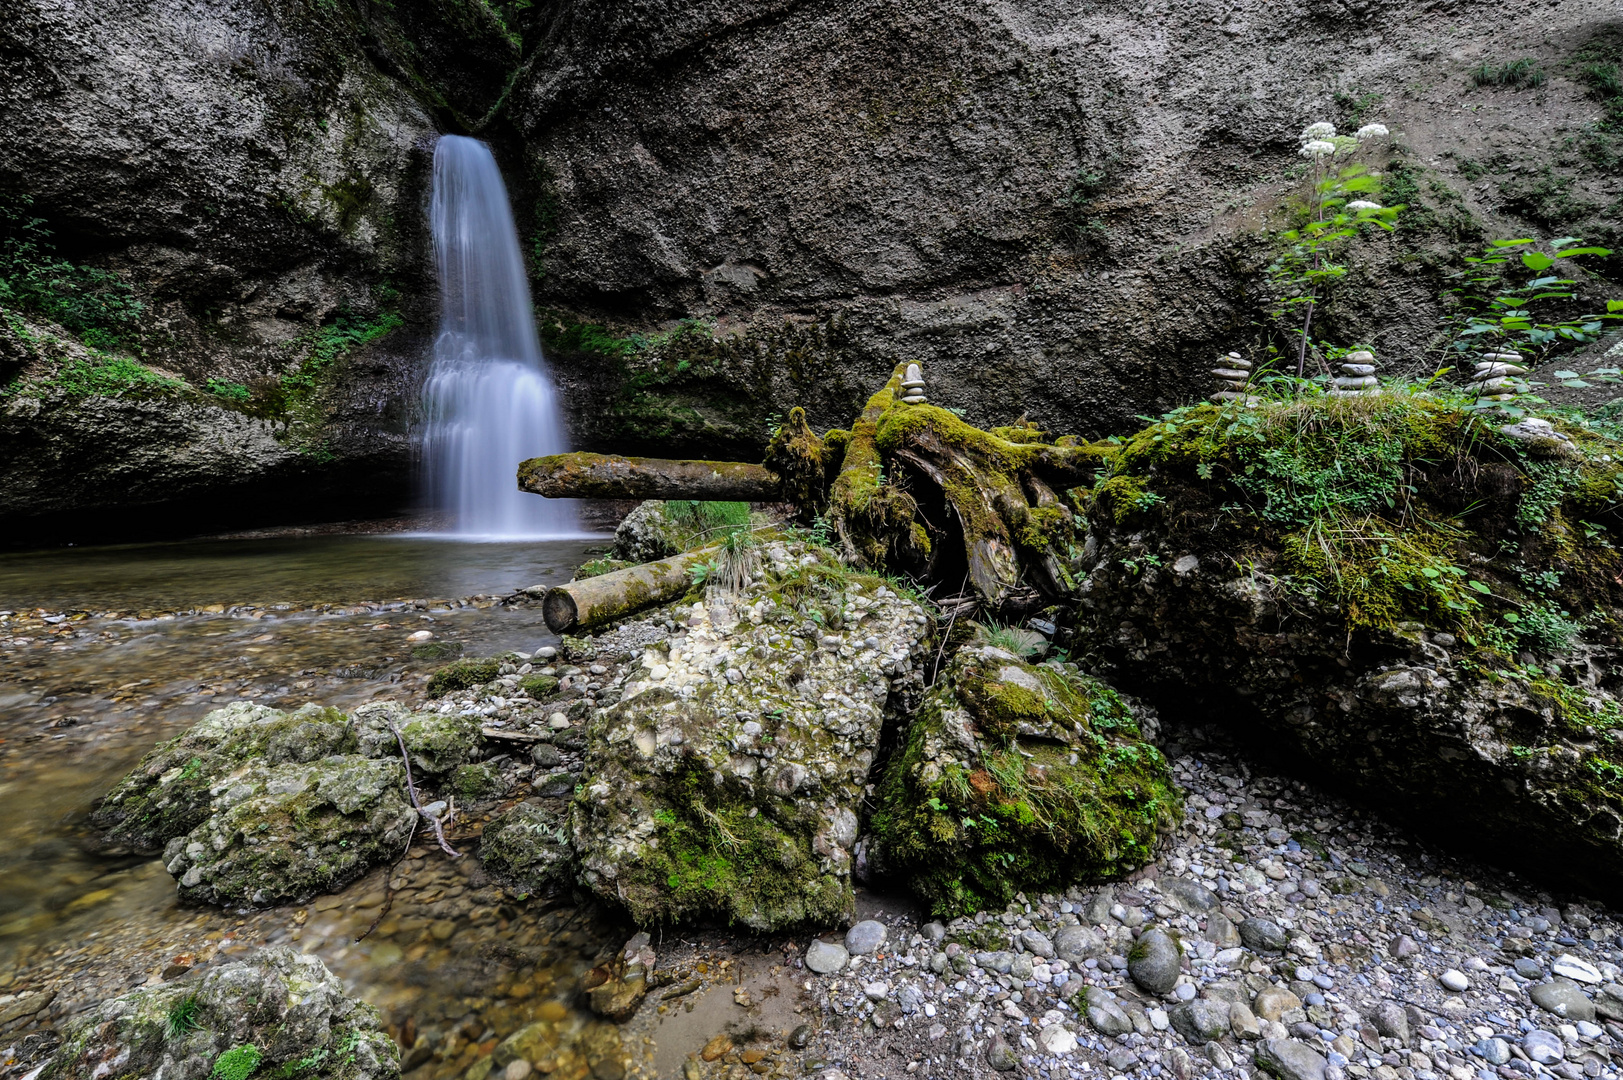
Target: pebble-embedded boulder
{"points": [[1018, 776], [726, 782], [274, 1013], [254, 805]]}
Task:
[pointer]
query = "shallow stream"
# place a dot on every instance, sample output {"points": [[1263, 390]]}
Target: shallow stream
{"points": [[106, 652]]}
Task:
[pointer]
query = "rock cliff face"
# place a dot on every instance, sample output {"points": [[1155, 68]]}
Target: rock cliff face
{"points": [[736, 206]]}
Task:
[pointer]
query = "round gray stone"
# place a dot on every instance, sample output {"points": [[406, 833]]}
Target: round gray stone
{"points": [[826, 957], [1563, 998], [865, 937], [1201, 1020], [1189, 895], [1288, 1059], [1037, 943], [1263, 935], [1543, 1047], [1154, 962], [1000, 1055]]}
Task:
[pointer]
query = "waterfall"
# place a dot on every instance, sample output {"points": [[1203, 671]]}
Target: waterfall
{"points": [[489, 401]]}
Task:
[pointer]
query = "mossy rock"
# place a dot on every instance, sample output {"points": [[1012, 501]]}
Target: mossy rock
{"points": [[1018, 777], [538, 687], [475, 782], [1400, 591], [168, 792], [280, 833], [437, 650], [463, 675], [437, 742], [284, 1007], [529, 846]]}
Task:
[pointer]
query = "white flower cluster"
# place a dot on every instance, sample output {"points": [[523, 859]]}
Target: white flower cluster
{"points": [[1372, 131], [1319, 131], [1360, 205], [1318, 148]]}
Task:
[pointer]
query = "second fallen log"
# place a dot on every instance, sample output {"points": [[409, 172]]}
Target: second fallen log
{"points": [[597, 600], [611, 476]]}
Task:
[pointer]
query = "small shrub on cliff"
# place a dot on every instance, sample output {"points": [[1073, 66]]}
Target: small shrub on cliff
{"points": [[96, 305]]}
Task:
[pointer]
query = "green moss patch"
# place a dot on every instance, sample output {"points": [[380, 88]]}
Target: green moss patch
{"points": [[462, 675]]}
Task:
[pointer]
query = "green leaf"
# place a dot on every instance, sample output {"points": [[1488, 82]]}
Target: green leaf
{"points": [[1511, 243], [1584, 251], [1479, 587], [1566, 374], [1576, 384], [1429, 572], [1537, 260], [1512, 617]]}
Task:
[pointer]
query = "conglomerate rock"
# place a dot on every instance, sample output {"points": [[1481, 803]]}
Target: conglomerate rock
{"points": [[726, 782], [256, 805], [274, 1013], [1015, 776]]}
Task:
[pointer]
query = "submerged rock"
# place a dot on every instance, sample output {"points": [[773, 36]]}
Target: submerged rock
{"points": [[275, 1013], [1016, 777], [253, 805], [726, 782], [529, 846]]}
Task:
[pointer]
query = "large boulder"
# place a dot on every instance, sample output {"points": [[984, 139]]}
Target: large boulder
{"points": [[275, 1013], [726, 782], [287, 832], [1017, 776], [1394, 591], [253, 805]]}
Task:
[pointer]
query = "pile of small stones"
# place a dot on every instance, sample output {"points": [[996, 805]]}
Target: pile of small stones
{"points": [[1357, 375], [1282, 931], [1497, 376], [1233, 374]]}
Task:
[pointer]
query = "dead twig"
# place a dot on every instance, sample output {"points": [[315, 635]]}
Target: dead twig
{"points": [[438, 823]]}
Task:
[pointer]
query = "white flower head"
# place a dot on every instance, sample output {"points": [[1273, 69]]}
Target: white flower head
{"points": [[1360, 205], [1318, 148], [1321, 130], [1372, 131]]}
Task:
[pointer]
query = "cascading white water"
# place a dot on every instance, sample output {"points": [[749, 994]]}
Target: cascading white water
{"points": [[489, 400]]}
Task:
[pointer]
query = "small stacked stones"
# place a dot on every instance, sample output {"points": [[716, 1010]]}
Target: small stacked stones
{"points": [[1495, 376], [1232, 376], [1357, 375], [913, 386]]}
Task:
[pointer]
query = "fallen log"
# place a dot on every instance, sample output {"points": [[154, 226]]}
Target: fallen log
{"points": [[598, 600], [610, 476]]}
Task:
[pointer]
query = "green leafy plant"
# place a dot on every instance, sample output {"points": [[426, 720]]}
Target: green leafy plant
{"points": [[95, 304], [1012, 639], [1339, 206], [230, 391], [1505, 292]]}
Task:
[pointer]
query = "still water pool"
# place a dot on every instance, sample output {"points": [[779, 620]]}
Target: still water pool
{"points": [[106, 651]]}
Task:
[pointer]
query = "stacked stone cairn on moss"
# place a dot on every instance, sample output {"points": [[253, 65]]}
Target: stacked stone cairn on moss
{"points": [[1357, 376], [1233, 375], [913, 386], [1498, 376]]}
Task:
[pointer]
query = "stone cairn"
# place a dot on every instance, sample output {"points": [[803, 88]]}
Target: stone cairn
{"points": [[1232, 376], [913, 386], [1357, 375], [1496, 376]]}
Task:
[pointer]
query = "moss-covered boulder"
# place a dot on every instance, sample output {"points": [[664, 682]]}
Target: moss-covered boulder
{"points": [[274, 1013], [168, 792], [725, 785], [286, 832], [1019, 777], [463, 675], [1406, 593], [529, 847], [658, 529], [253, 805]]}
